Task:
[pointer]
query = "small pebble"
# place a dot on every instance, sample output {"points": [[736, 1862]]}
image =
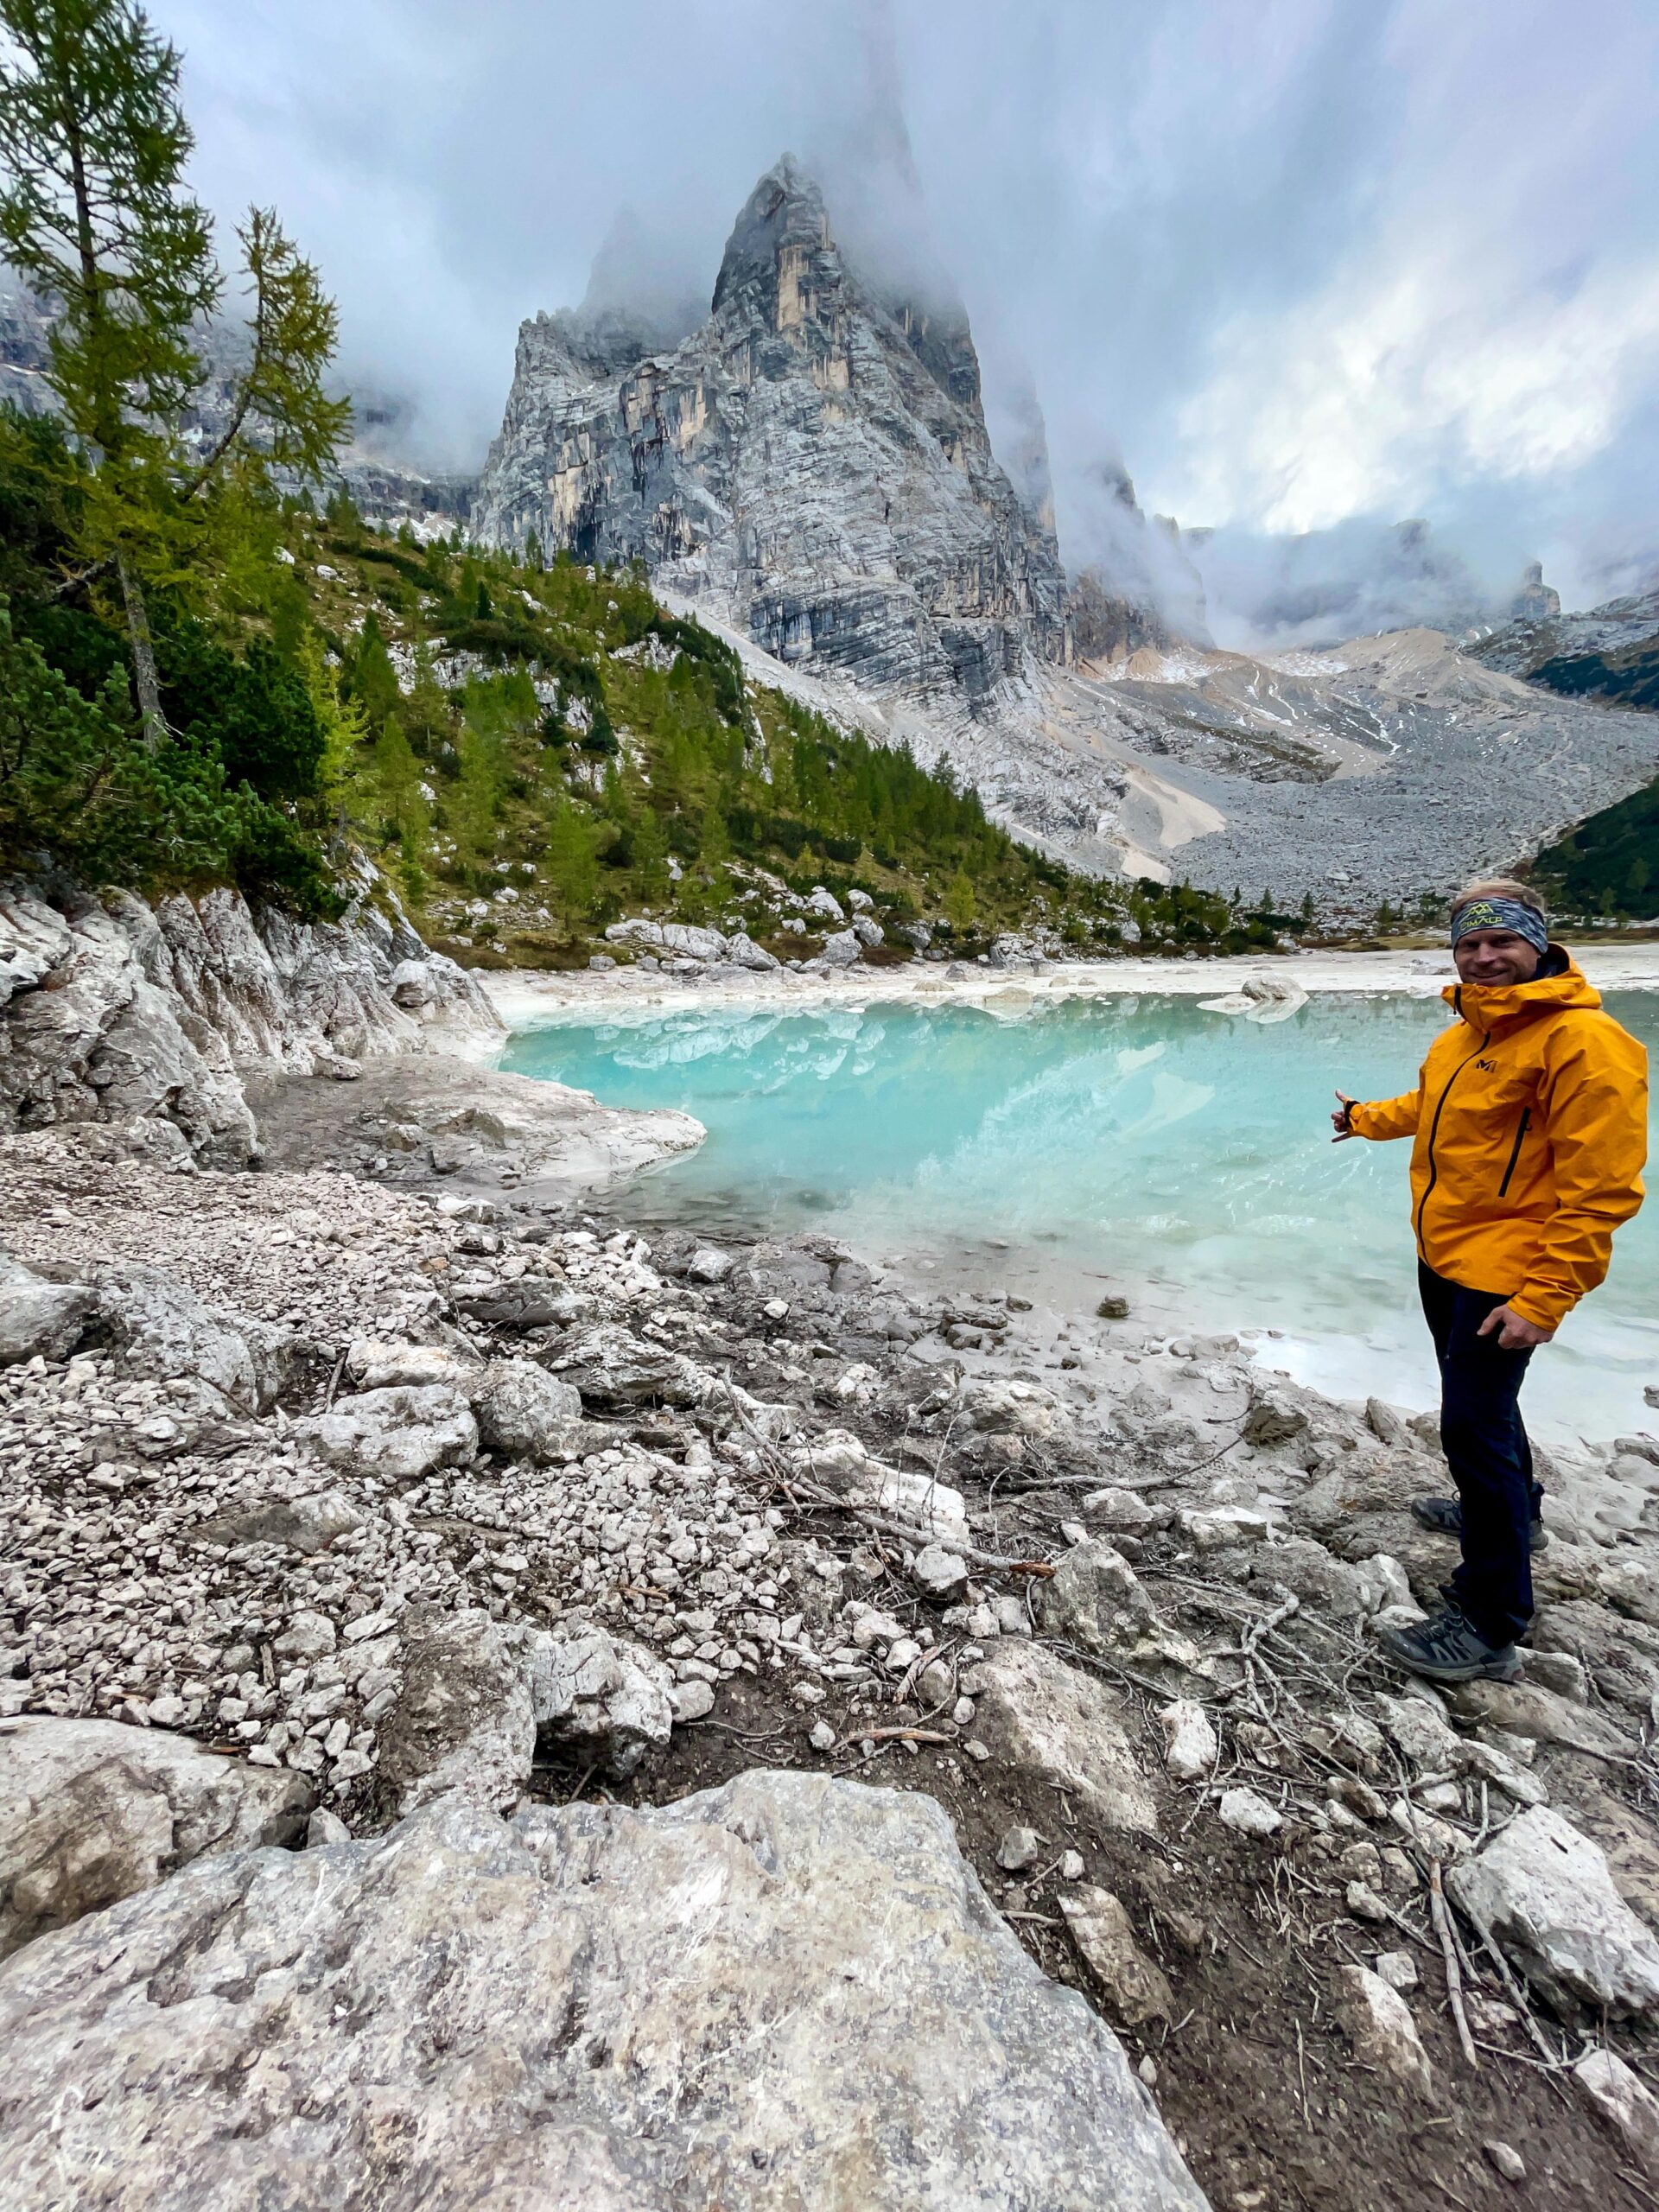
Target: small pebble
{"points": [[1506, 2160], [1019, 1848]]}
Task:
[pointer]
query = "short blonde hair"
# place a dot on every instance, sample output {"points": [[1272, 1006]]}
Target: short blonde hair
{"points": [[1500, 886]]}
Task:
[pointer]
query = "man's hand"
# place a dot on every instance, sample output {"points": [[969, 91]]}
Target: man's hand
{"points": [[1514, 1334], [1340, 1119]]}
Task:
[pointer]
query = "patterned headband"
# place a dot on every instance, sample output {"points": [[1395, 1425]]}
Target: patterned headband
{"points": [[1500, 914]]}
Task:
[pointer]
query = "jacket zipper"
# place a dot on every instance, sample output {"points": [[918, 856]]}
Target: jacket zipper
{"points": [[1514, 1152], [1433, 1131]]}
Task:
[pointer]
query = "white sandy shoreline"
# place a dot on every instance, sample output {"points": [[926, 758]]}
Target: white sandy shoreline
{"points": [[534, 999]]}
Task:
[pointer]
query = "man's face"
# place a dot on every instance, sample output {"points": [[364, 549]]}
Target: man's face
{"points": [[1492, 956]]}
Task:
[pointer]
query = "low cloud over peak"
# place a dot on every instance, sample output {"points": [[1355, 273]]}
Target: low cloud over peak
{"points": [[1293, 266]]}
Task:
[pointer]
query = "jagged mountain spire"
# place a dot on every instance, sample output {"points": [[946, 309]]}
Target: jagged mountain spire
{"points": [[813, 459]]}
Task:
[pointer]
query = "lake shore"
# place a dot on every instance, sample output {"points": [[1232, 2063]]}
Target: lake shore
{"points": [[529, 998]]}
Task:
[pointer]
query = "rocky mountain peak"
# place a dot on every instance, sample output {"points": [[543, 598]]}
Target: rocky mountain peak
{"points": [[812, 459]]}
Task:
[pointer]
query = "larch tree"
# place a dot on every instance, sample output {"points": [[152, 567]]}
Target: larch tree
{"points": [[94, 215]]}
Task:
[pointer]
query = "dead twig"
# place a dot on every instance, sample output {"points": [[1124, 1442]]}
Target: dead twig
{"points": [[1453, 1971]]}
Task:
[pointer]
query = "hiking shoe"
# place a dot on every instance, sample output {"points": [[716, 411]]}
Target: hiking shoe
{"points": [[1449, 1648], [1445, 1516]]}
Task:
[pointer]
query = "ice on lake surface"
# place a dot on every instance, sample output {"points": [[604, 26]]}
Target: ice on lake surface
{"points": [[1134, 1145]]}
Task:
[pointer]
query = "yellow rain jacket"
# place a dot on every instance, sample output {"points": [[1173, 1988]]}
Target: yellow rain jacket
{"points": [[1529, 1122]]}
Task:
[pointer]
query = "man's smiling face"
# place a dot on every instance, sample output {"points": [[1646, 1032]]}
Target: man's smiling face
{"points": [[1495, 956]]}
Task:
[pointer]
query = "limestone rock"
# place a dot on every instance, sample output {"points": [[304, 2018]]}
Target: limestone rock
{"points": [[1135, 1986], [707, 1263], [1119, 1511], [1625, 2101], [1190, 1748], [399, 1431], [304, 1524], [1545, 1891], [1274, 1416], [1248, 1813], [1421, 1730], [94, 1810], [1631, 1586], [1059, 1723], [115, 1011], [1096, 1600], [1526, 1708], [309, 1635], [465, 1718], [610, 1366], [375, 1363], [1330, 1586], [38, 1317], [938, 1574], [593, 1689], [1383, 2033], [839, 1461], [786, 1961], [526, 1413], [995, 1405], [743, 952], [1021, 1847], [234, 1362]]}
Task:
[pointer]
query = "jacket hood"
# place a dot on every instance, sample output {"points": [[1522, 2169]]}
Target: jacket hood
{"points": [[1483, 1006]]}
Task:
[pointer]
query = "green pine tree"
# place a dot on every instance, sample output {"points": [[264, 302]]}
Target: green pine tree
{"points": [[960, 905], [571, 864], [374, 681], [94, 215]]}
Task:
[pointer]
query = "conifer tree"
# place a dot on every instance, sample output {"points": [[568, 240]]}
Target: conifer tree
{"points": [[94, 215]]}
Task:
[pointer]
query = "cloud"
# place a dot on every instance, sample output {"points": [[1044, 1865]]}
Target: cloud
{"points": [[1292, 264]]}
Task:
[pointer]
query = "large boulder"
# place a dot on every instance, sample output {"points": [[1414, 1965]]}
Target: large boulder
{"points": [[610, 1366], [1546, 1892], [524, 1412], [789, 1994], [94, 1810], [743, 952], [401, 1431], [163, 1332]]}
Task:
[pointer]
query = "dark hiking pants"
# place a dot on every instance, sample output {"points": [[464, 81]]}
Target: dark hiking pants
{"points": [[1487, 1450]]}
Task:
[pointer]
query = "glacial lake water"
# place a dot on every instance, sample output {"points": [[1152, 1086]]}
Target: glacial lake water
{"points": [[1132, 1145]]}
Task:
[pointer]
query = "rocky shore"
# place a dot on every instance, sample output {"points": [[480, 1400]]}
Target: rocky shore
{"points": [[524, 997], [497, 1708]]}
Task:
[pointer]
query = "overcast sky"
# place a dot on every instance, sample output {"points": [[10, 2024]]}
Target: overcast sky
{"points": [[1294, 260]]}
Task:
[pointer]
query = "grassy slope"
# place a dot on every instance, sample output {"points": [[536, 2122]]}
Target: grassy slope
{"points": [[600, 758]]}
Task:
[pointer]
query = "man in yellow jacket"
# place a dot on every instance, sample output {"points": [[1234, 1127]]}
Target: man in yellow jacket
{"points": [[1528, 1125]]}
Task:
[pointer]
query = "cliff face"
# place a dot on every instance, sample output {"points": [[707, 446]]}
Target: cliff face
{"points": [[813, 459], [112, 1010]]}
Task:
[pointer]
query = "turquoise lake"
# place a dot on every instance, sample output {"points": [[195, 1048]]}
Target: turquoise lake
{"points": [[1138, 1145]]}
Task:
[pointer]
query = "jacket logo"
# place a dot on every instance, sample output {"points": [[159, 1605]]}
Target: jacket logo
{"points": [[1487, 1067]]}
